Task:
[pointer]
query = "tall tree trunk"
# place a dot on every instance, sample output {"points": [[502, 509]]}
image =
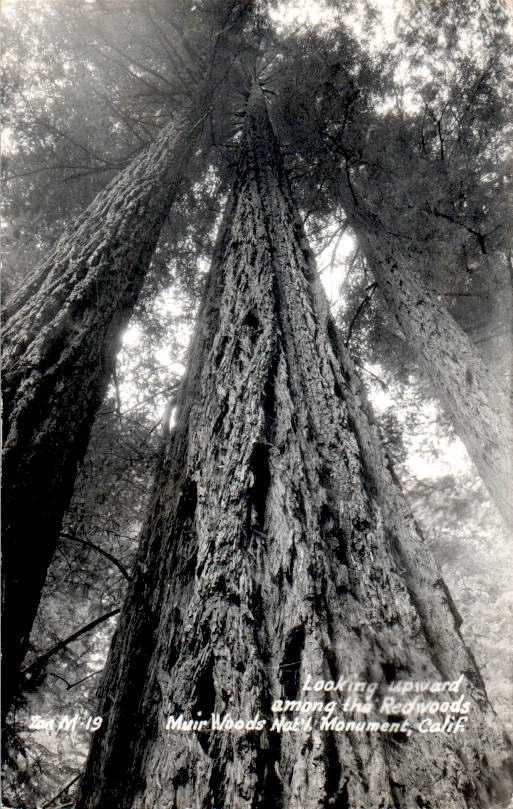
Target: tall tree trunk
{"points": [[278, 548], [61, 337], [59, 346], [480, 409]]}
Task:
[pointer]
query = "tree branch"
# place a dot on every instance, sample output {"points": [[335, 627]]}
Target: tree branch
{"points": [[70, 784], [94, 547], [370, 291], [41, 660], [350, 184], [78, 682], [479, 236]]}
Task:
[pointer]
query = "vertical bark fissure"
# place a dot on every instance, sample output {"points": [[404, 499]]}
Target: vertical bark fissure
{"points": [[301, 567]]}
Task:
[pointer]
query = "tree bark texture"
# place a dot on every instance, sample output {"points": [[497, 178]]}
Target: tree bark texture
{"points": [[278, 546], [60, 343], [61, 336], [480, 409]]}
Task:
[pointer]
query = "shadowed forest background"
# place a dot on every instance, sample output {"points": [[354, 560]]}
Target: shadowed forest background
{"points": [[412, 103]]}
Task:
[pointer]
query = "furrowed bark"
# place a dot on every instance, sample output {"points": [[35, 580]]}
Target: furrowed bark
{"points": [[481, 411], [278, 546], [61, 336], [60, 342]]}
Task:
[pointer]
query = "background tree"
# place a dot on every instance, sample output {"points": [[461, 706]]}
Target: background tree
{"points": [[446, 160], [93, 558]]}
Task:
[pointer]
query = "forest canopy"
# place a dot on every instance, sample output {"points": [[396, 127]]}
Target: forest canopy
{"points": [[122, 129]]}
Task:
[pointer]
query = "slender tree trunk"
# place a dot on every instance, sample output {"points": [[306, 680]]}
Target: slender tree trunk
{"points": [[61, 336], [278, 547], [480, 409]]}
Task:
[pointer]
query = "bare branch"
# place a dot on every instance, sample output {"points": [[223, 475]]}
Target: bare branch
{"points": [[96, 548], [41, 660], [370, 291], [70, 784]]}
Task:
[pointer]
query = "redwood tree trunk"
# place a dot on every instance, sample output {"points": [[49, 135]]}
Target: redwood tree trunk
{"points": [[59, 345], [481, 411], [277, 548]]}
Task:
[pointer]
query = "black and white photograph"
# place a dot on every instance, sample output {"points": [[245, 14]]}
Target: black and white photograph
{"points": [[257, 385]]}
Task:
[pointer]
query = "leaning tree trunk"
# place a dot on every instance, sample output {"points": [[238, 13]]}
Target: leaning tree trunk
{"points": [[277, 548], [61, 336], [480, 410], [59, 347]]}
